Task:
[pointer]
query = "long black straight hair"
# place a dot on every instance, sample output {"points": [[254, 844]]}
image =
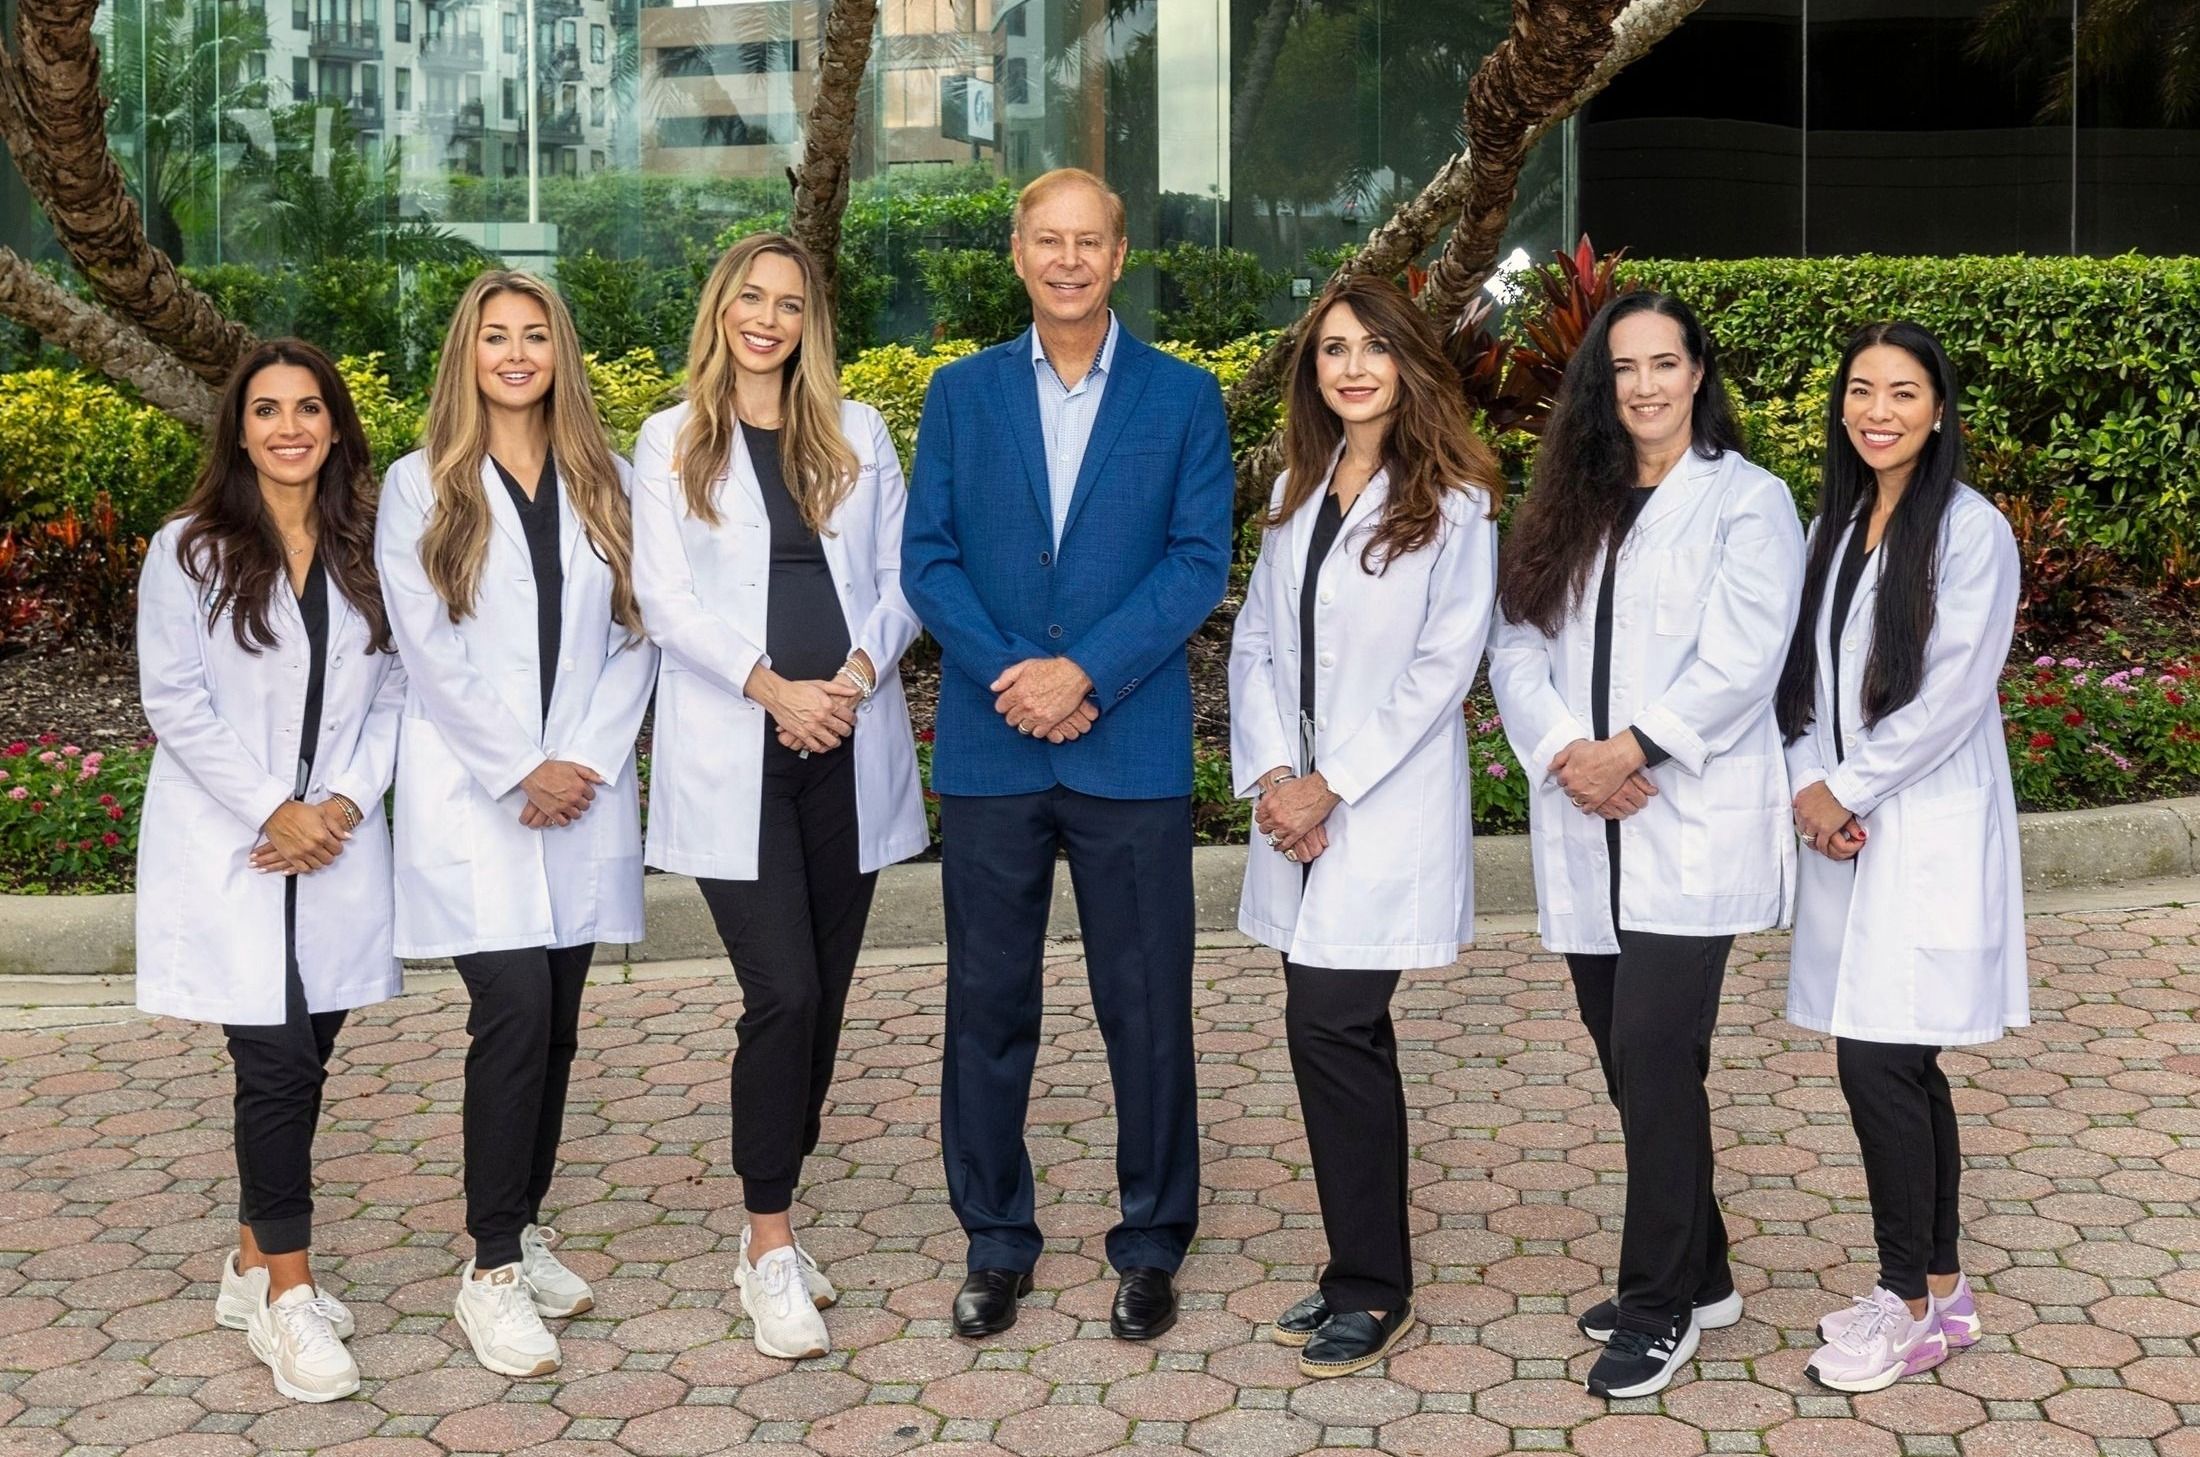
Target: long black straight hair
{"points": [[1586, 465], [1903, 619]]}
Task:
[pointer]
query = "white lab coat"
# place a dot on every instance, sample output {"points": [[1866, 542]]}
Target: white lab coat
{"points": [[1920, 938], [704, 591], [1703, 601], [470, 876], [1395, 656], [209, 926]]}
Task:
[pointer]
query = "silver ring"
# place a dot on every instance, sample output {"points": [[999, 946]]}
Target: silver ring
{"points": [[1272, 842], [1292, 854], [1024, 729]]}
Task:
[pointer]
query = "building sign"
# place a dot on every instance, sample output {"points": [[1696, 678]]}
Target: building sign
{"points": [[966, 109]]}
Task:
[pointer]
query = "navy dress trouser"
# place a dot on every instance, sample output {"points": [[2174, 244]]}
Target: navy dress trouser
{"points": [[1130, 865]]}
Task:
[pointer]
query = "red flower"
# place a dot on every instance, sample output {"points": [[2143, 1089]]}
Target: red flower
{"points": [[107, 799], [38, 806], [110, 839], [18, 749], [114, 811], [925, 737], [2073, 718], [84, 844], [2176, 699], [2042, 740], [44, 739]]}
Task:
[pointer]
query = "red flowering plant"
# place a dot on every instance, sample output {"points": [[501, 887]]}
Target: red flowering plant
{"points": [[2081, 732], [68, 817]]}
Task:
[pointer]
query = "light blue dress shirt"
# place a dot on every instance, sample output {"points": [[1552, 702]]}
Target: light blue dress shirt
{"points": [[1066, 417]]}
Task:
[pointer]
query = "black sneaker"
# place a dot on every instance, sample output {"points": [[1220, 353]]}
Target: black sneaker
{"points": [[1295, 1325], [1353, 1340], [1635, 1363], [1601, 1319]]}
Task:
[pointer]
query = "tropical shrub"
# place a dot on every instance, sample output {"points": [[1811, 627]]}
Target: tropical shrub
{"points": [[68, 819], [974, 293], [892, 379], [66, 438], [2082, 732], [1221, 294]]}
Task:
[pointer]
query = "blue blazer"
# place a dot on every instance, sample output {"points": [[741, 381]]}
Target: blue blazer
{"points": [[1144, 558]]}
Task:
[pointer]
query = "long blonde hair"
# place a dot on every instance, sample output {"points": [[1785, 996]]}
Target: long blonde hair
{"points": [[815, 459], [455, 545]]}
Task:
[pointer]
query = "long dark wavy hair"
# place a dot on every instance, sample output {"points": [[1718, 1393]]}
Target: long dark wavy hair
{"points": [[1903, 619], [1585, 466], [233, 551], [1430, 447]]}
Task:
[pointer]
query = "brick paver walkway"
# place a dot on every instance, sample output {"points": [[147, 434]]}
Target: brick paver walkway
{"points": [[116, 1185]]}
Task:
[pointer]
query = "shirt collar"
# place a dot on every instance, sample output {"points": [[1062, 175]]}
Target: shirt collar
{"points": [[1100, 363]]}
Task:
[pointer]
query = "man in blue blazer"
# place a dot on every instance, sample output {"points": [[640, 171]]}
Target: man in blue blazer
{"points": [[1068, 531]]}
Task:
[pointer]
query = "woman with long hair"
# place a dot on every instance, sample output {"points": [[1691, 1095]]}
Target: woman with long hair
{"points": [[505, 546], [1646, 596], [266, 667], [1909, 915], [1361, 632], [767, 557]]}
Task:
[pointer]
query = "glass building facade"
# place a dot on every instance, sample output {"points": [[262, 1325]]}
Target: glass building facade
{"points": [[274, 133]]}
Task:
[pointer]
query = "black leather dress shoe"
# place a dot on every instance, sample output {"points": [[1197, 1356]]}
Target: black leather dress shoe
{"points": [[1295, 1325], [1352, 1340], [986, 1305], [1145, 1304]]}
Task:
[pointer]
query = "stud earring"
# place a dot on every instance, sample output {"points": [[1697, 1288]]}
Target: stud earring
{"points": [[1936, 427]]}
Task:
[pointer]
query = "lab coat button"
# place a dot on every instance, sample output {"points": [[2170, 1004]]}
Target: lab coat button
{"points": [[1848, 645], [1328, 660], [1321, 723], [1328, 596]]}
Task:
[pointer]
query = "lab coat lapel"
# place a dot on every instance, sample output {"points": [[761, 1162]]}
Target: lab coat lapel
{"points": [[501, 509], [569, 524], [740, 473], [1689, 475]]}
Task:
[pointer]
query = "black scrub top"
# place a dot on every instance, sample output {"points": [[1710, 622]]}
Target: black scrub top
{"points": [[538, 522]]}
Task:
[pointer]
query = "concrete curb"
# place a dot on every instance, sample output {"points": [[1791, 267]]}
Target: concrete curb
{"points": [[94, 935]]}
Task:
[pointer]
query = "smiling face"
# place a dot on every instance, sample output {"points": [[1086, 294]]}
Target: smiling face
{"points": [[1888, 408], [1357, 373], [1068, 255], [513, 357], [1656, 381], [287, 429], [763, 325]]}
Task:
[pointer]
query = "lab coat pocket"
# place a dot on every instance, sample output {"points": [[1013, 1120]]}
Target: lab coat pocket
{"points": [[1956, 894], [1684, 580], [1730, 837], [435, 797]]}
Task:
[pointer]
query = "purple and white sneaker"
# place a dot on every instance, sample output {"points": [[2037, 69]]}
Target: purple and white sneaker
{"points": [[1879, 1345], [1958, 1316]]}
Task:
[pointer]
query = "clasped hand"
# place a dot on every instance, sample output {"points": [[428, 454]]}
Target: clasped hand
{"points": [[301, 837], [1604, 777], [1045, 697], [1826, 824], [559, 792], [1294, 814]]}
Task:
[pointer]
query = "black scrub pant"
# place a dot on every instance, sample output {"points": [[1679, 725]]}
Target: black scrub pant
{"points": [[1905, 1121], [525, 1025], [1344, 1058], [280, 1071], [1651, 1011], [793, 934], [1130, 864]]}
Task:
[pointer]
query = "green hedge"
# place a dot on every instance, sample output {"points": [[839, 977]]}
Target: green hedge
{"points": [[2081, 376]]}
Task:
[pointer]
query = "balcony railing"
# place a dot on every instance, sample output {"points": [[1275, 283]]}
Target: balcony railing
{"points": [[560, 128], [345, 40], [451, 49], [366, 110], [464, 119]]}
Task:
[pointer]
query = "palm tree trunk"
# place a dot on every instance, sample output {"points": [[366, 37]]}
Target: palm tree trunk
{"points": [[821, 183], [1452, 192], [1531, 82], [30, 298], [53, 119]]}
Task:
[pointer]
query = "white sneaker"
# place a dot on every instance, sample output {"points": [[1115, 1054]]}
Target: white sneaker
{"points": [[556, 1290], [244, 1289], [499, 1318], [294, 1338], [778, 1299], [822, 1293]]}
